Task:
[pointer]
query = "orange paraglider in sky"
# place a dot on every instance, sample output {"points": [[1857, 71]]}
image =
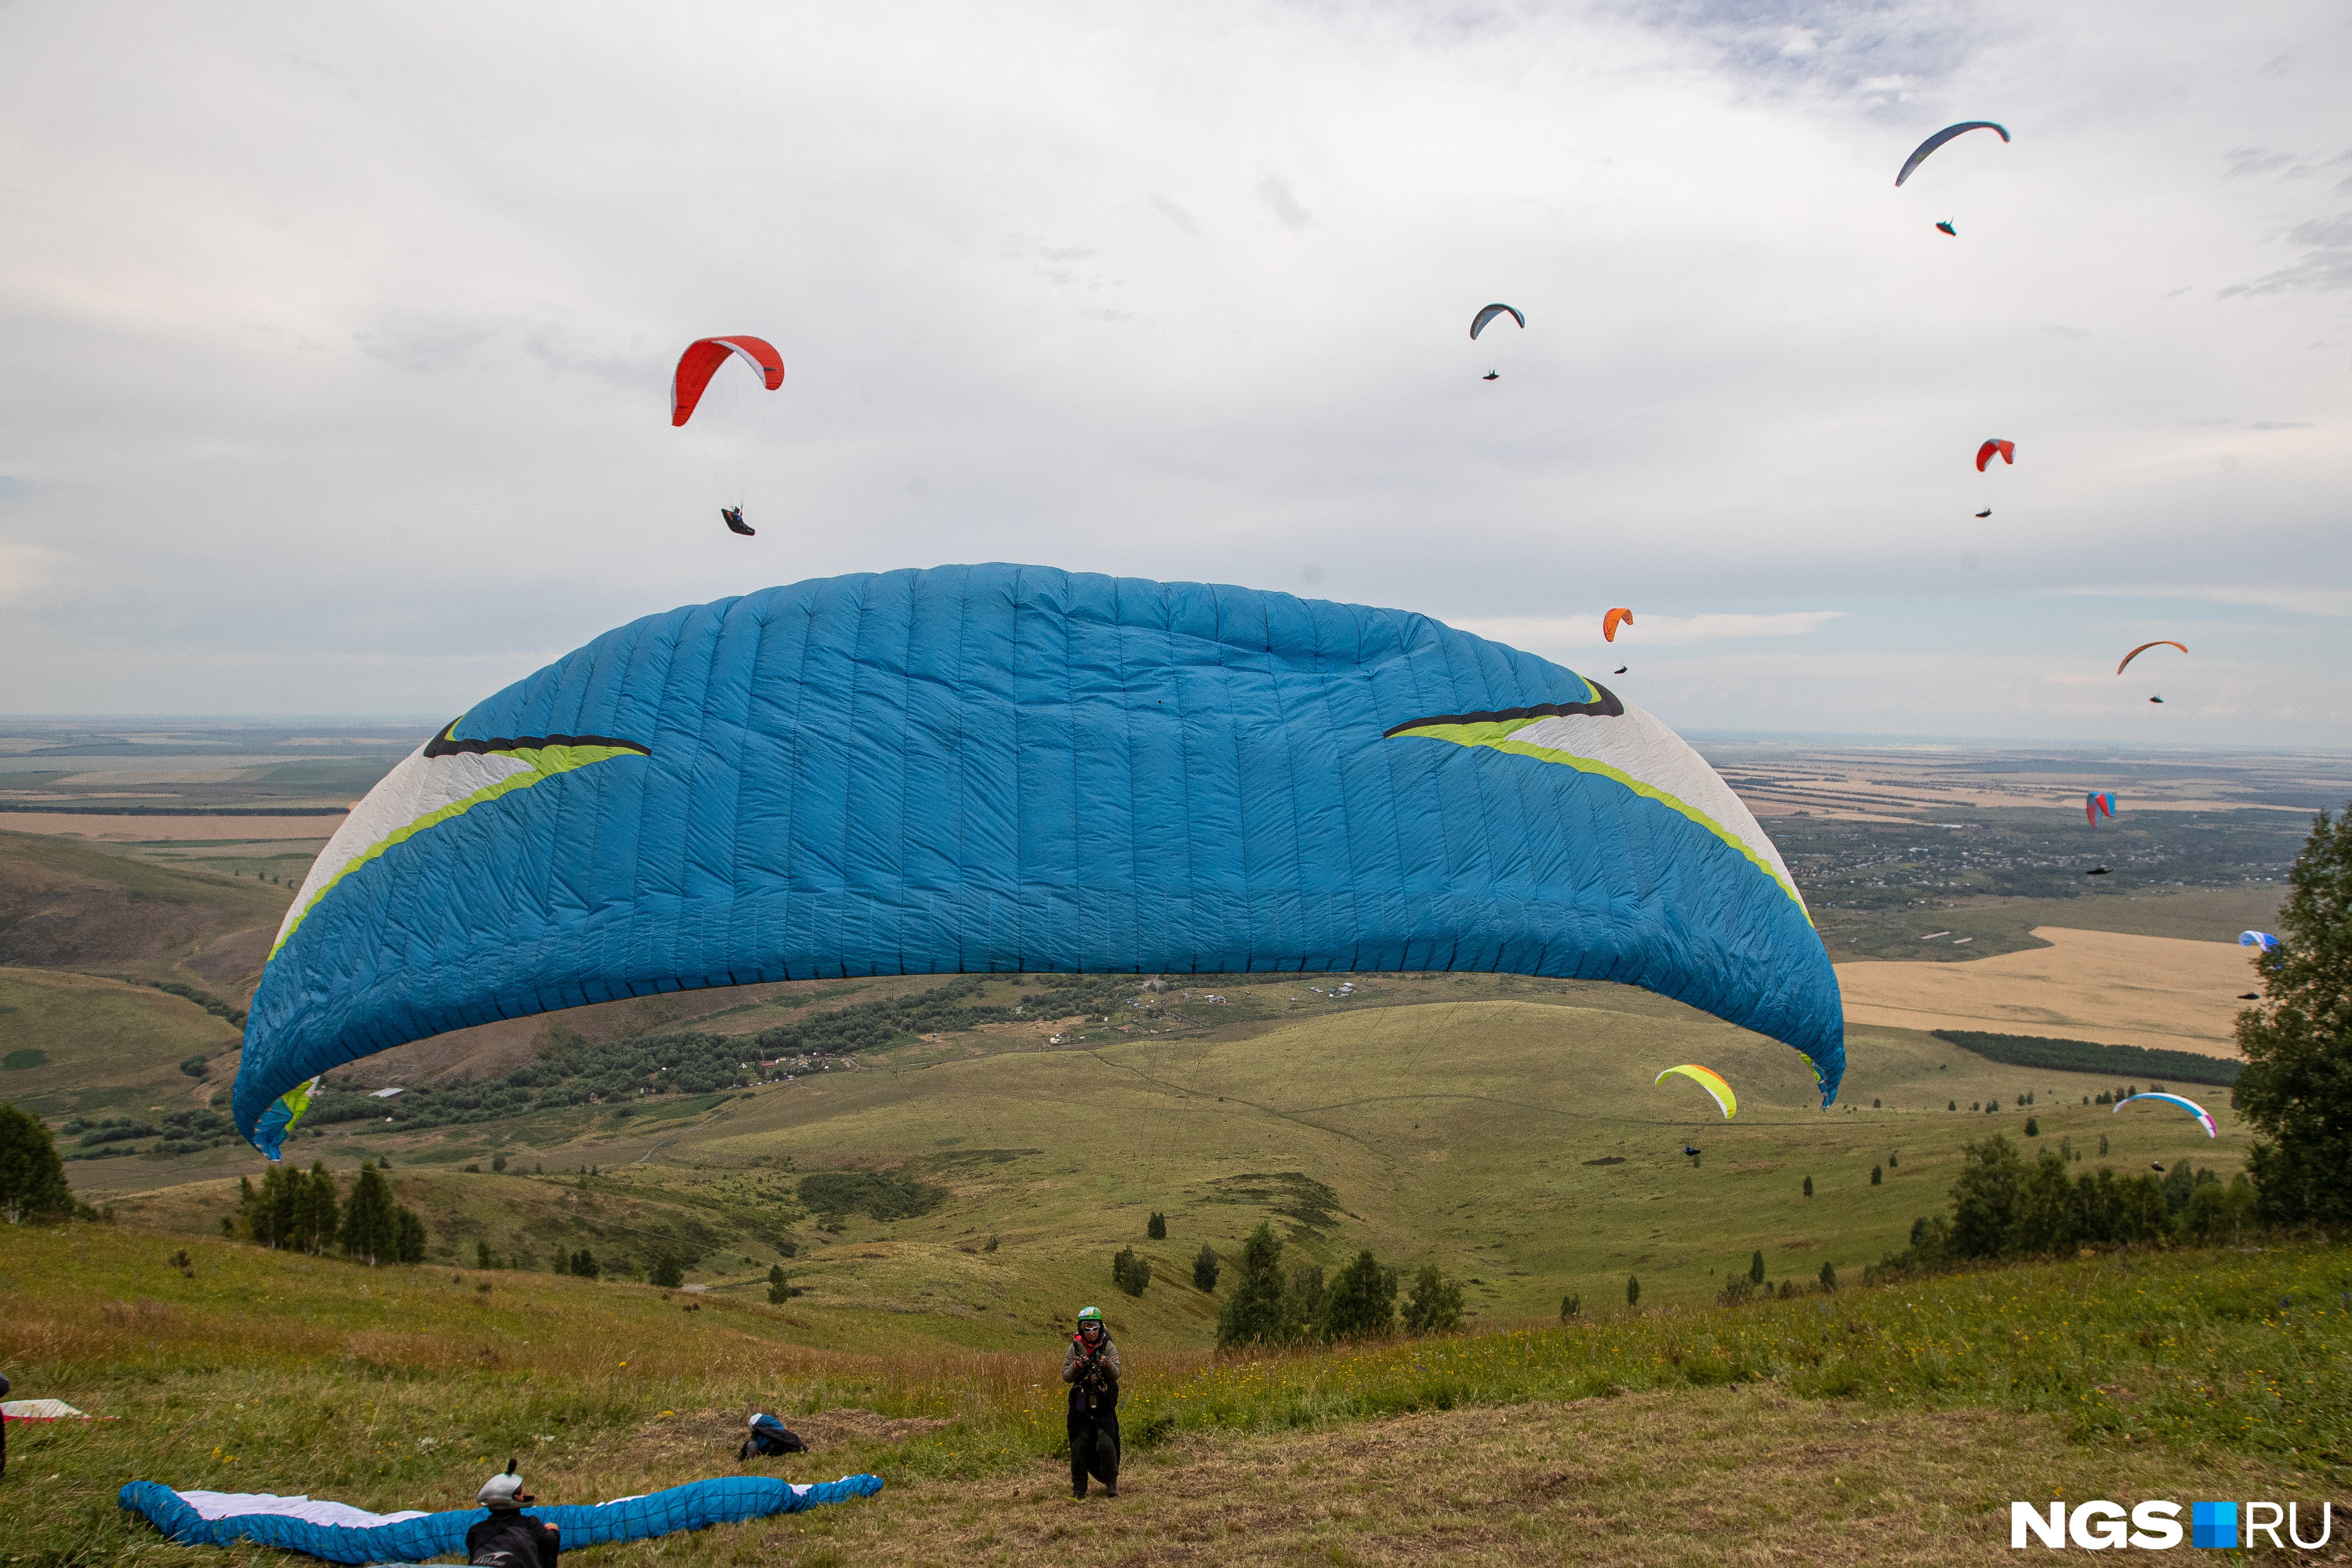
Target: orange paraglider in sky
{"points": [[1612, 620], [2161, 642], [2008, 450]]}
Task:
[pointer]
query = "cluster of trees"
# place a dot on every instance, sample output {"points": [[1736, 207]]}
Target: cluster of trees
{"points": [[2003, 1207], [308, 1213], [581, 1264], [2086, 1057], [1273, 1306], [181, 1132], [212, 1004], [1741, 1288]]}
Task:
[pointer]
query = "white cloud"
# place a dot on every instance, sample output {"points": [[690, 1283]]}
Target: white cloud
{"points": [[2303, 599], [1540, 634], [352, 325]]}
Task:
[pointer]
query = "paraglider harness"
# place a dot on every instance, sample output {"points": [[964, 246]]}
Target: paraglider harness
{"points": [[1092, 1389], [771, 1437]]}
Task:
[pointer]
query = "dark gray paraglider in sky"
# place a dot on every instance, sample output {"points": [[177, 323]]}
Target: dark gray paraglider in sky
{"points": [[1919, 154], [1478, 323]]}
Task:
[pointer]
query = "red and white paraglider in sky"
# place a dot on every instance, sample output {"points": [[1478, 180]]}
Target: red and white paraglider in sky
{"points": [[702, 360]]}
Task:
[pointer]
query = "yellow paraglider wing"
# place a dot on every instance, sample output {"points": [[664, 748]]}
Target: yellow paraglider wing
{"points": [[1709, 1080]]}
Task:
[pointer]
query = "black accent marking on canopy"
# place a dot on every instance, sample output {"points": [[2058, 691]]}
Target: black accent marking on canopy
{"points": [[1607, 708], [445, 744]]}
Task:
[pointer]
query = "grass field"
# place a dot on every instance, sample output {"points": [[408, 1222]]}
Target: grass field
{"points": [[1520, 1145], [1895, 1419]]}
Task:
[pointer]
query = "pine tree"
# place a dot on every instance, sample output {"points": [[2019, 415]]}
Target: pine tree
{"points": [[1632, 1291], [1130, 1273], [1755, 1267], [32, 1177], [2296, 1086], [408, 1242], [1156, 1228], [1436, 1305], [371, 1230], [779, 1290], [1205, 1268], [1360, 1303], [1808, 1186], [1253, 1313], [668, 1270], [311, 1222]]}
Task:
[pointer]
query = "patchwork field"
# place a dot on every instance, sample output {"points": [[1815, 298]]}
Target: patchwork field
{"points": [[2085, 984]]}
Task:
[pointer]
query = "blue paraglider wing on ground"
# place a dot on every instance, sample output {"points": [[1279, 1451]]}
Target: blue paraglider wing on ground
{"points": [[695, 1506]]}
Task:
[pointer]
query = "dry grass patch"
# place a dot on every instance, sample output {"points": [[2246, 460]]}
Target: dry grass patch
{"points": [[2086, 985], [1727, 1476]]}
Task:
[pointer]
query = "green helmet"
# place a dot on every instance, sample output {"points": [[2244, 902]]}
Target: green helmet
{"points": [[1091, 1315]]}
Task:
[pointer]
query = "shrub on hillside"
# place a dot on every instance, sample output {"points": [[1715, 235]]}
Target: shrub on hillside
{"points": [[1632, 1291], [668, 1270], [1130, 1273], [1205, 1268], [32, 1177], [880, 1195], [1156, 1227]]}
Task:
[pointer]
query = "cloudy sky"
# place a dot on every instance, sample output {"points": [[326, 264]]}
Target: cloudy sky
{"points": [[338, 338]]}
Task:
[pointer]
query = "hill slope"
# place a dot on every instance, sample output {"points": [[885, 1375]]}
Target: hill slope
{"points": [[1518, 1143]]}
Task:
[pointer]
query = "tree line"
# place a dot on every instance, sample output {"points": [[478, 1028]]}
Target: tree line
{"points": [[306, 1213]]}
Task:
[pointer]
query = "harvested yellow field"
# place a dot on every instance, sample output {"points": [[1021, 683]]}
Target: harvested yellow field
{"points": [[2086, 986], [155, 829]]}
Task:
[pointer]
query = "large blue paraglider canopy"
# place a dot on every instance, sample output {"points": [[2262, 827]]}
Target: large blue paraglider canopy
{"points": [[1003, 768]]}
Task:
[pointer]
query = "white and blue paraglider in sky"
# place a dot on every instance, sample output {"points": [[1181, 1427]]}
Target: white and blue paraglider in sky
{"points": [[997, 768], [2260, 939], [2204, 1117]]}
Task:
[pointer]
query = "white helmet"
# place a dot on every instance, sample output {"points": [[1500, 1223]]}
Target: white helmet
{"points": [[503, 1490]]}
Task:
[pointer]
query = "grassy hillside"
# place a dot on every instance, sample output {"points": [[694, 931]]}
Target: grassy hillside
{"points": [[66, 905], [1518, 1143], [107, 1044], [1875, 1419]]}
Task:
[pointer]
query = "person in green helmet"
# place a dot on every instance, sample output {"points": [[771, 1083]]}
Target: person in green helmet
{"points": [[1090, 1366]]}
